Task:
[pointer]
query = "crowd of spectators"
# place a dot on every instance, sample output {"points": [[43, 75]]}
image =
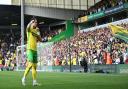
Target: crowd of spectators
{"points": [[97, 47], [8, 43], [9, 40], [103, 5], [47, 35]]}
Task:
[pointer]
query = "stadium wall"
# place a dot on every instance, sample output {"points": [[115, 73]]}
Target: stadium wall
{"points": [[93, 68], [104, 13], [108, 69], [105, 25]]}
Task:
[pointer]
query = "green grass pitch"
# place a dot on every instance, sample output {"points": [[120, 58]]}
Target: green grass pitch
{"points": [[53, 80]]}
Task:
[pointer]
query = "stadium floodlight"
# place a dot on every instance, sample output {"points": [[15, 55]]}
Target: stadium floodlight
{"points": [[41, 23], [14, 24]]}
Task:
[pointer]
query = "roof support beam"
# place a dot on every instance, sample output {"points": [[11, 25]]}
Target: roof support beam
{"points": [[62, 14]]}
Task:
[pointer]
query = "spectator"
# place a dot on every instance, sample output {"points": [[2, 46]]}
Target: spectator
{"points": [[98, 47]]}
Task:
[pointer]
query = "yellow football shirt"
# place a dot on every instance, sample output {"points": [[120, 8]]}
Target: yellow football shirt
{"points": [[32, 38]]}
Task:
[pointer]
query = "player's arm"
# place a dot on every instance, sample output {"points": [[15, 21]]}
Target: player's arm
{"points": [[29, 25], [39, 38], [37, 34]]}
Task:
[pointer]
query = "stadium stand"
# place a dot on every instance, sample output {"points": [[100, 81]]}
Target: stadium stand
{"points": [[47, 35], [8, 43], [98, 46], [103, 5]]}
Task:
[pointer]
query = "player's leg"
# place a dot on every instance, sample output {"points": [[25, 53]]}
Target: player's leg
{"points": [[34, 75], [34, 67], [29, 66], [34, 72]]}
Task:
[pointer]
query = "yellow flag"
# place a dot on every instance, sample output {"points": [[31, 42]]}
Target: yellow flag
{"points": [[118, 29], [119, 32]]}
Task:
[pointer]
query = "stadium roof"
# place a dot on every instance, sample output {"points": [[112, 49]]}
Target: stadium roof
{"points": [[66, 4], [11, 15]]}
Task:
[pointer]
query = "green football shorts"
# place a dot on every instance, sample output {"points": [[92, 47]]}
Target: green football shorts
{"points": [[32, 56]]}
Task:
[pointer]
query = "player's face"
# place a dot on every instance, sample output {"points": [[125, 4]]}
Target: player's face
{"points": [[35, 23]]}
